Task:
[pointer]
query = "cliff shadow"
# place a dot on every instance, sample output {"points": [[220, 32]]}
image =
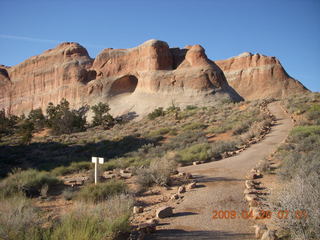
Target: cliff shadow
{"points": [[49, 155], [233, 93]]}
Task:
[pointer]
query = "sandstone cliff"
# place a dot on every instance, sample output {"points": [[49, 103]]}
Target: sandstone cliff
{"points": [[137, 79], [256, 76]]}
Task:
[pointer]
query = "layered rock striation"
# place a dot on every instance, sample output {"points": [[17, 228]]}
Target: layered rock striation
{"points": [[137, 79], [140, 79]]}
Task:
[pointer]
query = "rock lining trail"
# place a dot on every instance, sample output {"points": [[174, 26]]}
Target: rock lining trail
{"points": [[221, 186]]}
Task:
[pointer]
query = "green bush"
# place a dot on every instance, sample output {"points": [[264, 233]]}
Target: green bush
{"points": [[159, 132], [74, 167], [313, 113], [157, 173], [220, 147], [197, 152], [29, 182], [300, 154], [25, 128], [300, 132], [193, 126], [156, 113], [191, 107], [241, 128], [102, 191], [108, 220]]}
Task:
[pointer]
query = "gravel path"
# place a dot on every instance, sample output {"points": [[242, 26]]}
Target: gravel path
{"points": [[221, 188]]}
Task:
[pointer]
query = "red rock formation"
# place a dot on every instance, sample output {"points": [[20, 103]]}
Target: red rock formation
{"points": [[137, 79], [255, 76]]}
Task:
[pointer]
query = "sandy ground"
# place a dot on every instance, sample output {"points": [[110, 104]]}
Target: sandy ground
{"points": [[221, 186]]}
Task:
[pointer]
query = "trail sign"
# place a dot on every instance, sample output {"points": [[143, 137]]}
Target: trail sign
{"points": [[96, 161]]}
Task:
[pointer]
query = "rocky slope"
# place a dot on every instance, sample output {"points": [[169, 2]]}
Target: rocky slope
{"points": [[137, 79], [256, 76]]}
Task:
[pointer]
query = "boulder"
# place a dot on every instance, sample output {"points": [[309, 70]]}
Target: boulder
{"points": [[192, 185], [137, 209], [164, 212], [181, 189]]}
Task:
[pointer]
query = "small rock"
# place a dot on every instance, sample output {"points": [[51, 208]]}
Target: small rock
{"points": [[137, 209], [164, 212], [192, 185], [249, 191], [188, 176], [174, 196], [175, 172], [253, 203], [181, 189], [196, 163], [153, 221], [146, 228], [259, 230], [181, 174], [123, 171], [269, 235], [250, 197]]}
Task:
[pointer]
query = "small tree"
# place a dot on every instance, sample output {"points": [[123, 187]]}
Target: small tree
{"points": [[7, 123], [25, 128], [63, 120], [37, 118], [102, 117]]}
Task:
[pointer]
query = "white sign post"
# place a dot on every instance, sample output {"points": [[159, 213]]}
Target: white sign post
{"points": [[96, 161]]}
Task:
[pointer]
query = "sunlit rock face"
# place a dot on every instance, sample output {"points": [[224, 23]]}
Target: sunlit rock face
{"points": [[256, 76], [130, 80]]}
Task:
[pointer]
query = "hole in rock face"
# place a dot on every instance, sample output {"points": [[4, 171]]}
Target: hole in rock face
{"points": [[126, 84]]}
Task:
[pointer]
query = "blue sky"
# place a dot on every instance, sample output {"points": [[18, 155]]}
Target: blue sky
{"points": [[287, 29]]}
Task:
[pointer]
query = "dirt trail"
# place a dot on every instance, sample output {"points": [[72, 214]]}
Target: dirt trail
{"points": [[221, 188]]}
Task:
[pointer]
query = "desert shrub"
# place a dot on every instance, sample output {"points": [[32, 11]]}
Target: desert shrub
{"points": [[156, 113], [25, 128], [101, 191], [68, 194], [185, 139], [313, 113], [191, 107], [173, 109], [301, 132], [159, 132], [19, 219], [300, 195], [28, 182], [193, 126], [300, 153], [108, 220], [218, 129], [240, 128], [197, 152], [219, 147], [157, 173], [74, 167]]}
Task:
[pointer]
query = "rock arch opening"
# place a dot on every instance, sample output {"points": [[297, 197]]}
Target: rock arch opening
{"points": [[126, 84]]}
